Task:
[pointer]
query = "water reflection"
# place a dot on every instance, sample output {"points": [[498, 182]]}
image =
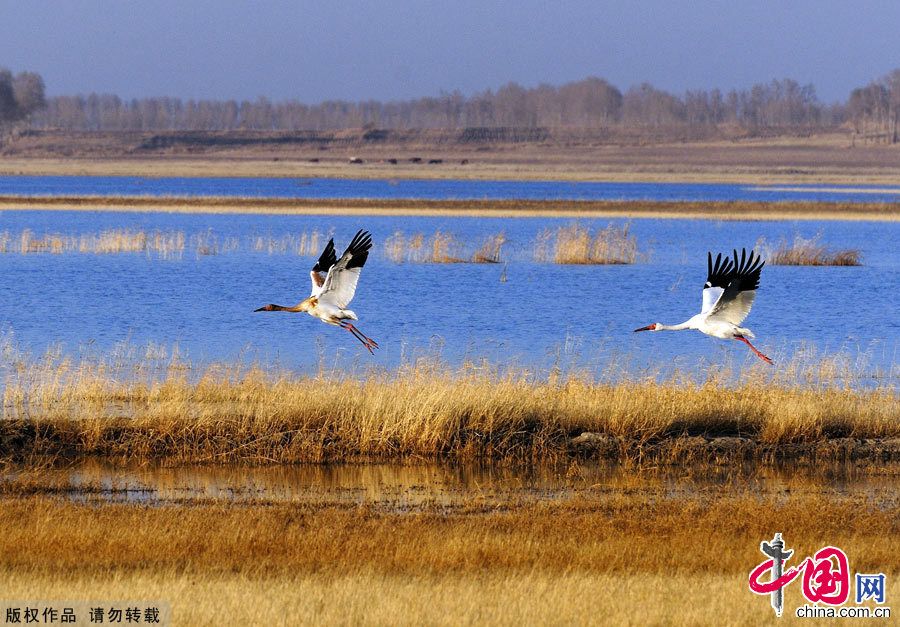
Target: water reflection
{"points": [[409, 486]]}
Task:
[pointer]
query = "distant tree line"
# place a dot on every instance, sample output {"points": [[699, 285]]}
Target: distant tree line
{"points": [[20, 96], [875, 109], [781, 106]]}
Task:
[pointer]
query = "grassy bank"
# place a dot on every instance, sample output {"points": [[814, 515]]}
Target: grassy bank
{"points": [[227, 413], [733, 210]]}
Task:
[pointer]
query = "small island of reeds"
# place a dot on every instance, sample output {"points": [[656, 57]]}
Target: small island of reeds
{"points": [[808, 252]]}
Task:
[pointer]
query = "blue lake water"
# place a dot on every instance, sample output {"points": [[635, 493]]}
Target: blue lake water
{"points": [[435, 189], [542, 315]]}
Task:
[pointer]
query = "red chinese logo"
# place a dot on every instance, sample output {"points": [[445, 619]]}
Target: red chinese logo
{"points": [[826, 575], [824, 580]]}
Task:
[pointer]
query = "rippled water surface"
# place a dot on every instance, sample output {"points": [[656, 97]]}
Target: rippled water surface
{"points": [[434, 189], [521, 313], [541, 312]]}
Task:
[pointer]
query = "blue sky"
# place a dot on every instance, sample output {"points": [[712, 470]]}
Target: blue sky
{"points": [[314, 51]]}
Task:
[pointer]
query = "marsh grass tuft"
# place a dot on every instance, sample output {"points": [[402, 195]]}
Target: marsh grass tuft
{"points": [[491, 249], [305, 244], [401, 248], [161, 244], [577, 244], [441, 247], [807, 252]]}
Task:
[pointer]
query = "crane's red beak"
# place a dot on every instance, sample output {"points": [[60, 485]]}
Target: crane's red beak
{"points": [[649, 327]]}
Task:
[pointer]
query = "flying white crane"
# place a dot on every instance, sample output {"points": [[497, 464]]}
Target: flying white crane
{"points": [[727, 298], [333, 291]]}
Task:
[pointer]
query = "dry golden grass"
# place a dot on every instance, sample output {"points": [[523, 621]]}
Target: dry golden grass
{"points": [[154, 410], [491, 250], [441, 247], [576, 244], [602, 533], [513, 599], [808, 252], [163, 244], [401, 248], [736, 210], [305, 244], [620, 557], [444, 247]]}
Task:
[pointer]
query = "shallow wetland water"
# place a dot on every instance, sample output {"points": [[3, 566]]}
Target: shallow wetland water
{"points": [[401, 487]]}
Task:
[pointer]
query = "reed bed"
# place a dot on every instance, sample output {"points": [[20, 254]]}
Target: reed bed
{"points": [[165, 408], [161, 244], [577, 244], [491, 250], [441, 247], [305, 244], [808, 252], [164, 244]]}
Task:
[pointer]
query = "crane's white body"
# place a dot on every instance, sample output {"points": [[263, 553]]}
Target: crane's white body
{"points": [[721, 329], [330, 296], [720, 315]]}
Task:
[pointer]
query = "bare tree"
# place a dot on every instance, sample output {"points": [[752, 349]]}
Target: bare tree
{"points": [[28, 89]]}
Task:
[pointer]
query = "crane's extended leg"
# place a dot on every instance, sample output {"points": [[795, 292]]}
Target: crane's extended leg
{"points": [[753, 348], [358, 336], [368, 342]]}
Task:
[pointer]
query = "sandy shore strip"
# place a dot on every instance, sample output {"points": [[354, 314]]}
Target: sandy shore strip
{"points": [[726, 210]]}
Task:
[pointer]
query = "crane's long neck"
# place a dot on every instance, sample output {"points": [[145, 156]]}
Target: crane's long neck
{"points": [[674, 327], [307, 304]]}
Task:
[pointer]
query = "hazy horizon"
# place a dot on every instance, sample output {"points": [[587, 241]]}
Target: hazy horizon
{"points": [[396, 51]]}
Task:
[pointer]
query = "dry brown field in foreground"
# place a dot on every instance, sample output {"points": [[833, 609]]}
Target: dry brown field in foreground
{"points": [[595, 558]]}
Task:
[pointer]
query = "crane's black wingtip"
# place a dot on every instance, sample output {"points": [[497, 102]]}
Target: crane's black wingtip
{"points": [[742, 270], [359, 249], [718, 270], [327, 258]]}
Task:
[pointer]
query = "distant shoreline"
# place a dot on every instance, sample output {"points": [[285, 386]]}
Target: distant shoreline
{"points": [[825, 159], [723, 210]]}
